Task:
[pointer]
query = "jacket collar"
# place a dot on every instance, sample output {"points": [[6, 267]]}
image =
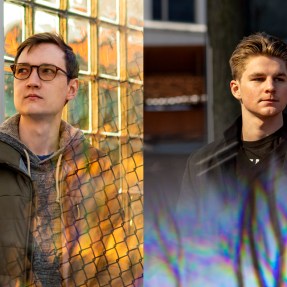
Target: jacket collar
{"points": [[233, 132]]}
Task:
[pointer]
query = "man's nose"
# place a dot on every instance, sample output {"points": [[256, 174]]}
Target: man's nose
{"points": [[270, 85], [34, 79]]}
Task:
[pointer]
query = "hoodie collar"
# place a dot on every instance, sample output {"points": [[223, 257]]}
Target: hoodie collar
{"points": [[69, 137]]}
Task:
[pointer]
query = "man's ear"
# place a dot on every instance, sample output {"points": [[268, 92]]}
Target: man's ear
{"points": [[73, 87], [235, 89]]}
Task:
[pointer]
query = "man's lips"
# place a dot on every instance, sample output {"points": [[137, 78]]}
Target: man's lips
{"points": [[269, 100], [33, 96]]}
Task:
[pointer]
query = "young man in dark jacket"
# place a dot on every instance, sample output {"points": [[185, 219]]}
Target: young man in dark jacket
{"points": [[232, 209]]}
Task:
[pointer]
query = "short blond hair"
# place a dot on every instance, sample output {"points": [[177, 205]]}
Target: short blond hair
{"points": [[256, 45]]}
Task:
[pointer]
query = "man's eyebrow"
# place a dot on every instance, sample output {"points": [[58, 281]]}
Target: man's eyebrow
{"points": [[263, 75], [256, 75], [281, 74]]}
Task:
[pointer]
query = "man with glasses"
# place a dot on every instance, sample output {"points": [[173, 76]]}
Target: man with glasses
{"points": [[76, 209]]}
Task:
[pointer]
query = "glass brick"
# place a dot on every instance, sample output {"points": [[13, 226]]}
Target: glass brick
{"points": [[9, 93], [49, 3], [135, 13], [79, 40], [109, 10], [135, 55], [45, 22], [13, 28], [109, 107], [79, 109], [80, 6], [108, 51]]}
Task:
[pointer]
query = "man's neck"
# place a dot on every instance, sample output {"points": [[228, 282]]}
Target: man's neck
{"points": [[256, 128], [40, 136]]}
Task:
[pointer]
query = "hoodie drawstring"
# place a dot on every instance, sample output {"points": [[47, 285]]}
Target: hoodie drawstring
{"points": [[28, 162], [58, 183], [58, 186]]}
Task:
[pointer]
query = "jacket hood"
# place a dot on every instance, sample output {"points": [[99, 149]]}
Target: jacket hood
{"points": [[11, 157], [70, 137]]}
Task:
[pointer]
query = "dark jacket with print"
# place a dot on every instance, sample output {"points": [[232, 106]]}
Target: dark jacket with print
{"points": [[232, 217]]}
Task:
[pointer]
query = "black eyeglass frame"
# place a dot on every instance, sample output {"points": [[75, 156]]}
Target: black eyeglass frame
{"points": [[13, 68]]}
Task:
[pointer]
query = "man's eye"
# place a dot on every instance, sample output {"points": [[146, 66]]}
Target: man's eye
{"points": [[47, 71], [22, 71], [280, 79]]}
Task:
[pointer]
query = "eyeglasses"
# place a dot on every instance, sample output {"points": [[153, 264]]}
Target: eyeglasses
{"points": [[46, 72]]}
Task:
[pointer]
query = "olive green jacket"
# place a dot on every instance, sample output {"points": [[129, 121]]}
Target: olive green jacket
{"points": [[15, 216]]}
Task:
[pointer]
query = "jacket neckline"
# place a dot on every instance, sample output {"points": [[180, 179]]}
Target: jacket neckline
{"points": [[233, 132]]}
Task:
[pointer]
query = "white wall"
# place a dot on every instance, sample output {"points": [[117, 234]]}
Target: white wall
{"points": [[160, 33]]}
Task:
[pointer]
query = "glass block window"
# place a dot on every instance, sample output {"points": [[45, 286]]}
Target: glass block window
{"points": [[46, 22], [109, 10], [107, 37], [14, 29]]}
